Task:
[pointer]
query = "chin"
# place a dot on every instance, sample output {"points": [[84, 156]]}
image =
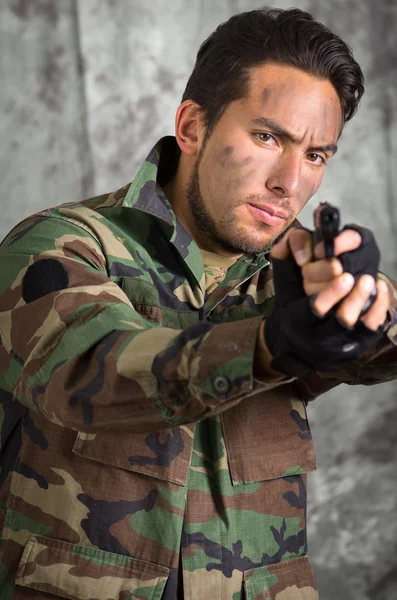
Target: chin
{"points": [[265, 237], [246, 244], [250, 239]]}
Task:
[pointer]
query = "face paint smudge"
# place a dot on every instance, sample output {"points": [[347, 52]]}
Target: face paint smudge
{"points": [[228, 150]]}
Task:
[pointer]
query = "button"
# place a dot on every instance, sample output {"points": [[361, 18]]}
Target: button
{"points": [[221, 384]]}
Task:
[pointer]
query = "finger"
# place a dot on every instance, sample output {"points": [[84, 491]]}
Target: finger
{"points": [[281, 250], [313, 289], [346, 241], [300, 242], [321, 271], [377, 314], [335, 291], [350, 309]]}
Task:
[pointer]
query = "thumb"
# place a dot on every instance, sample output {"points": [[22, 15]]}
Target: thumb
{"points": [[282, 250], [296, 243]]}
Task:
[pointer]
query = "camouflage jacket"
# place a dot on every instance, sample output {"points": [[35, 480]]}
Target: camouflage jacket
{"points": [[136, 442]]}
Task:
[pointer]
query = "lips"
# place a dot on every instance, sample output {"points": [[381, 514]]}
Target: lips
{"points": [[268, 214]]}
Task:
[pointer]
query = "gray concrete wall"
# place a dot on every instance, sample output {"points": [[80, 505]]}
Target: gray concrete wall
{"points": [[88, 86]]}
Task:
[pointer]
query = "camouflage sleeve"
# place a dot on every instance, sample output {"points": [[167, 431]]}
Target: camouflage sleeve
{"points": [[376, 366], [74, 349]]}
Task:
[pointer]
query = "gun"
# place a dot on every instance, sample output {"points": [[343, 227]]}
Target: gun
{"points": [[326, 227]]}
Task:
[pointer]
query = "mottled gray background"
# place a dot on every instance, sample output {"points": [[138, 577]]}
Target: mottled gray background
{"points": [[88, 86]]}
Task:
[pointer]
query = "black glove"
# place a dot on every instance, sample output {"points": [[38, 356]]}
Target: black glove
{"points": [[302, 342], [364, 260]]}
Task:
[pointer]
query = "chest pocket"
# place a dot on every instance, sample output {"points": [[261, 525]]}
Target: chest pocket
{"points": [[161, 454], [268, 436]]}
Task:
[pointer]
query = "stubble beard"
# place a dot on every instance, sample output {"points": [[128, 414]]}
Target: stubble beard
{"points": [[225, 234]]}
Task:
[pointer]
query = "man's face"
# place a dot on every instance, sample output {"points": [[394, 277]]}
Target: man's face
{"points": [[264, 160]]}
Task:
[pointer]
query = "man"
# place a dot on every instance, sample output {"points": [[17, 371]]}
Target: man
{"points": [[155, 437]]}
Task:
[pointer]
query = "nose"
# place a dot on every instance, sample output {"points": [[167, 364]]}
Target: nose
{"points": [[285, 177]]}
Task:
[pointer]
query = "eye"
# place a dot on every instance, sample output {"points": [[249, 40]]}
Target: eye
{"points": [[316, 159], [265, 137]]}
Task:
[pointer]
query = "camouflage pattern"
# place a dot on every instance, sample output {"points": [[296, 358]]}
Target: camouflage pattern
{"points": [[215, 269], [139, 448]]}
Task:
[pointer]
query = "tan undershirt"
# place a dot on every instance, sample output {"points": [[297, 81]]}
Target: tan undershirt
{"points": [[215, 267]]}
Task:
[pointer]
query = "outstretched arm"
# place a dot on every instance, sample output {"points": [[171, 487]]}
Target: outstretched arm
{"points": [[74, 348]]}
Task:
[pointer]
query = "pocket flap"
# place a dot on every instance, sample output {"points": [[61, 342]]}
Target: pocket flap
{"points": [[290, 580], [161, 454], [72, 571], [267, 436]]}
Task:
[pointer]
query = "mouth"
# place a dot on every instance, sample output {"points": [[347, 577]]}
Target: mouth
{"points": [[268, 214]]}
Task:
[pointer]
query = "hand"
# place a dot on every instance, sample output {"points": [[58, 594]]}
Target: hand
{"points": [[325, 279], [301, 340]]}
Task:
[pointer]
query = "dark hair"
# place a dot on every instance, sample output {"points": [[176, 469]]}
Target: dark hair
{"points": [[286, 37]]}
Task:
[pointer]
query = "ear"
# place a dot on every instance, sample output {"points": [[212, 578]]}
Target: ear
{"points": [[189, 129]]}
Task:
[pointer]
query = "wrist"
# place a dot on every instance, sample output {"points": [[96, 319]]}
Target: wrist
{"points": [[263, 358]]}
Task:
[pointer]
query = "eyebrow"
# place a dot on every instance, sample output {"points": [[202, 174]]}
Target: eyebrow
{"points": [[275, 127]]}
